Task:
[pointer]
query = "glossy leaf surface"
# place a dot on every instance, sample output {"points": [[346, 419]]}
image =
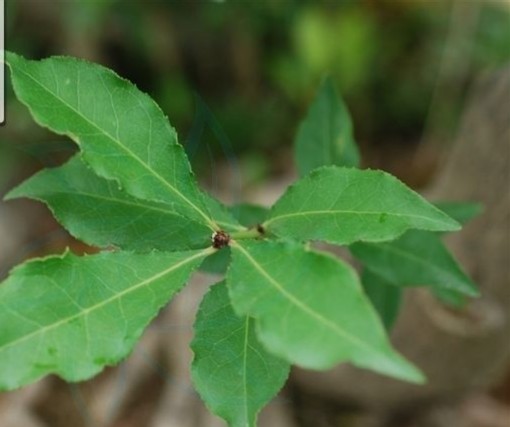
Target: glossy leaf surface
{"points": [[343, 205], [233, 373], [310, 308]]}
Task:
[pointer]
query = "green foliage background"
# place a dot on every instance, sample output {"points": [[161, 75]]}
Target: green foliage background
{"points": [[257, 64]]}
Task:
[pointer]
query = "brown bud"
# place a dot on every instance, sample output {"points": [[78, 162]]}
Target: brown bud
{"points": [[220, 239]]}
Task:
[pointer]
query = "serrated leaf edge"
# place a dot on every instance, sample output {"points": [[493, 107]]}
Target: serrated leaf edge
{"points": [[66, 254], [417, 375], [453, 225], [210, 223]]}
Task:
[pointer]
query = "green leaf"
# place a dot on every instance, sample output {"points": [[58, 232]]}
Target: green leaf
{"points": [[385, 297], [122, 133], [450, 297], [222, 215], [218, 262], [462, 212], [232, 372], [310, 308], [95, 211], [249, 214], [416, 258], [325, 136], [72, 315], [342, 205]]}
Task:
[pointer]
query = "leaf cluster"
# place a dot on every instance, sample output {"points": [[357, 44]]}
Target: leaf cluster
{"points": [[130, 191]]}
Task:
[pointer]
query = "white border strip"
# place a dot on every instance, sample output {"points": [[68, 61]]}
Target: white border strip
{"points": [[2, 62]]}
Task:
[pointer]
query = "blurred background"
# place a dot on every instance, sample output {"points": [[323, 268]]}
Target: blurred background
{"points": [[405, 69]]}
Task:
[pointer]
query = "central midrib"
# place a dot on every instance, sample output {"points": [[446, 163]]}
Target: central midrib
{"points": [[127, 150], [303, 307], [343, 211], [143, 204]]}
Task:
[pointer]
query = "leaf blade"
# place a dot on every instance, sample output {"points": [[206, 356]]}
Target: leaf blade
{"points": [[123, 134], [463, 212], [248, 214], [72, 315], [385, 297], [342, 205], [325, 136], [221, 214], [239, 377], [95, 211], [416, 258], [306, 324]]}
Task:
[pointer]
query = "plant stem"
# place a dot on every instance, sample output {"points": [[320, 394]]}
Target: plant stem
{"points": [[250, 233]]}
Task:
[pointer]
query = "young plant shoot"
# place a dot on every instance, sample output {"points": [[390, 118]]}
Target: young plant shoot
{"points": [[281, 302]]}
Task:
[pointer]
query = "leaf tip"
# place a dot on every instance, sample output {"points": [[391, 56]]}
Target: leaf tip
{"points": [[17, 192], [448, 223], [452, 224], [407, 371], [11, 57], [414, 374], [473, 291], [11, 195]]}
